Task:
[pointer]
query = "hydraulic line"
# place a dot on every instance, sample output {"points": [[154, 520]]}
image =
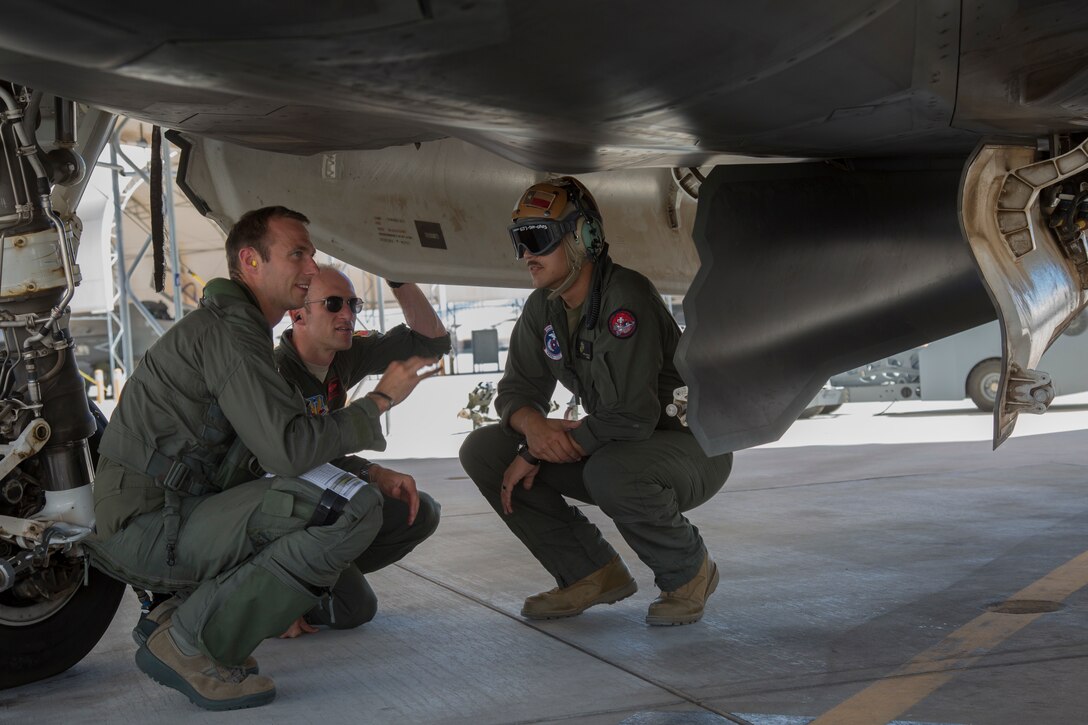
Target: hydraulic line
{"points": [[27, 148]]}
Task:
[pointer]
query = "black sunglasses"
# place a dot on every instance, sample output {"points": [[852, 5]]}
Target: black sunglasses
{"points": [[333, 303]]}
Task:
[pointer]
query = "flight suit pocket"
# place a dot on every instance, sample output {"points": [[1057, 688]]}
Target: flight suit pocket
{"points": [[275, 518], [121, 495], [277, 503], [604, 382]]}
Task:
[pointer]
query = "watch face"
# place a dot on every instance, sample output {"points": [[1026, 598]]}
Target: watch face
{"points": [[523, 451]]}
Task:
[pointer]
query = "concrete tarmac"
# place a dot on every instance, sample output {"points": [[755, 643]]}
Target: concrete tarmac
{"points": [[934, 581]]}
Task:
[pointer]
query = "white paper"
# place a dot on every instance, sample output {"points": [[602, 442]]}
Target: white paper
{"points": [[329, 477]]}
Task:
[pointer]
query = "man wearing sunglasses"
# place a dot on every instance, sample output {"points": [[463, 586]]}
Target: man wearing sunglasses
{"points": [[245, 556], [603, 331], [324, 358]]}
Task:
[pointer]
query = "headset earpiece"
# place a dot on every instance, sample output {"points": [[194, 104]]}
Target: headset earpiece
{"points": [[589, 233]]}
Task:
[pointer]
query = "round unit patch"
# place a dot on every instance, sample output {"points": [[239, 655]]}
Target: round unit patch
{"points": [[622, 323], [551, 344]]}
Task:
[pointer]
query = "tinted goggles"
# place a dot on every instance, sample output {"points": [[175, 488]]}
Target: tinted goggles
{"points": [[540, 236], [334, 303]]}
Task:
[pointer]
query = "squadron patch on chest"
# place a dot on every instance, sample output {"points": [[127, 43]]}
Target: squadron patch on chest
{"points": [[622, 323], [317, 405], [334, 388], [551, 344]]}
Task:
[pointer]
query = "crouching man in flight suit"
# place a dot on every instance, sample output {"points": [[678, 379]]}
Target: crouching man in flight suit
{"points": [[604, 332], [250, 556], [324, 358]]}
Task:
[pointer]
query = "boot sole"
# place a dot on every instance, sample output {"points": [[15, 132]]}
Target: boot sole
{"points": [[157, 670], [656, 621], [610, 597]]}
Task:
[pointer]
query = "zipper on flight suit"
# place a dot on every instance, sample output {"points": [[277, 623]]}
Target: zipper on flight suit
{"points": [[571, 340]]}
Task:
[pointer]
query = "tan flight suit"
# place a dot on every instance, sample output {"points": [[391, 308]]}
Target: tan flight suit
{"points": [[642, 468], [244, 551]]}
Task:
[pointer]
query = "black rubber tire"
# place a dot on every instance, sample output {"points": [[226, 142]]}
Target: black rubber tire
{"points": [[48, 647], [983, 382], [829, 409], [811, 412], [51, 646]]}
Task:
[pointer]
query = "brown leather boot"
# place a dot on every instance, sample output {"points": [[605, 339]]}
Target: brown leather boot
{"points": [[608, 585], [685, 605], [205, 682]]}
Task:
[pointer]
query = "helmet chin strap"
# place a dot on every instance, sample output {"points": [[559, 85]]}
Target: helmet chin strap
{"points": [[576, 257]]}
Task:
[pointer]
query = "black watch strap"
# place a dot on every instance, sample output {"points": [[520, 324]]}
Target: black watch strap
{"points": [[523, 451]]}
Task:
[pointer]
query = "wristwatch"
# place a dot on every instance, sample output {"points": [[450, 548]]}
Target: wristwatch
{"points": [[523, 451], [364, 472]]}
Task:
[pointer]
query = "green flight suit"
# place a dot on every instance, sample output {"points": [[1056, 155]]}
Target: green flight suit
{"points": [[352, 601], [643, 468], [245, 554]]}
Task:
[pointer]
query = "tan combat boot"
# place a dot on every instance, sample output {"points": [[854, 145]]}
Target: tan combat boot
{"points": [[608, 585], [206, 683], [685, 605], [160, 615]]}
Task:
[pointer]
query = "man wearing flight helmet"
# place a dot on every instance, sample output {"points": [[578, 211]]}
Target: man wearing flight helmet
{"points": [[603, 331]]}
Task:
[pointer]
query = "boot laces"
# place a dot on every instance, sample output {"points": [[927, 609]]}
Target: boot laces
{"points": [[233, 675]]}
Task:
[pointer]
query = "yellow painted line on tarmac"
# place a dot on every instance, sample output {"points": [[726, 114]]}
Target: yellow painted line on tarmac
{"points": [[890, 697]]}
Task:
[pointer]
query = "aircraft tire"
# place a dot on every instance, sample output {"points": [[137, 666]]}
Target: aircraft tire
{"points": [[61, 637], [829, 409], [983, 382]]}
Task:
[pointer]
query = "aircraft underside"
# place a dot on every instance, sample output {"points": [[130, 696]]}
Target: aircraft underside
{"points": [[792, 271], [827, 184]]}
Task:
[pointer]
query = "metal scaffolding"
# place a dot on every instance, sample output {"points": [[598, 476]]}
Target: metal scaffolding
{"points": [[120, 318]]}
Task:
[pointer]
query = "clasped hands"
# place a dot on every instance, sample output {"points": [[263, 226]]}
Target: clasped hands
{"points": [[548, 439]]}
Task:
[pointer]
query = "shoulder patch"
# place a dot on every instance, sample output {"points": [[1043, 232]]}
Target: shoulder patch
{"points": [[622, 323], [551, 344], [316, 406]]}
